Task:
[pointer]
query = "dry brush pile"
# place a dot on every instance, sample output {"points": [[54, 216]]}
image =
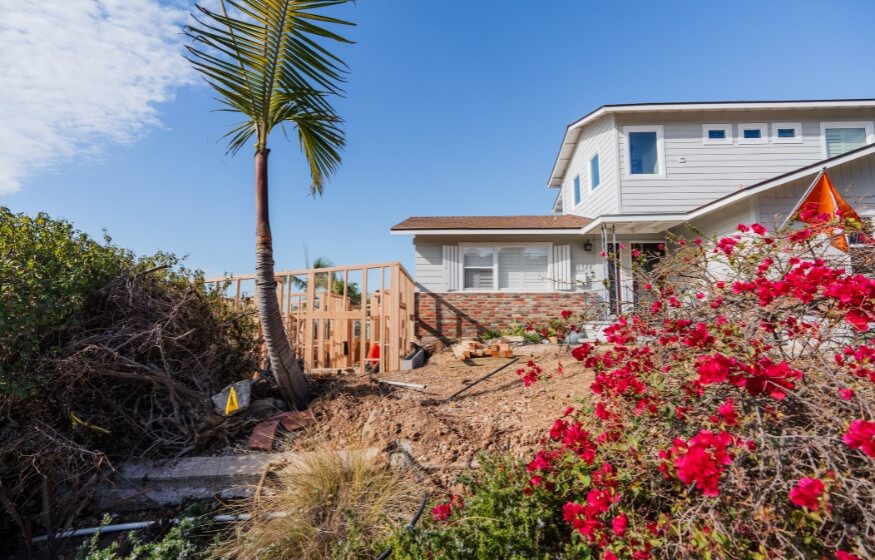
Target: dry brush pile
{"points": [[104, 357]]}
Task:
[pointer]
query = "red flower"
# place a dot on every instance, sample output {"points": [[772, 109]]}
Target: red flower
{"points": [[861, 435], [743, 228], [713, 369], [858, 320], [758, 229], [566, 314], [806, 493], [619, 524], [608, 555], [846, 394], [842, 555], [701, 460], [727, 411], [441, 512]]}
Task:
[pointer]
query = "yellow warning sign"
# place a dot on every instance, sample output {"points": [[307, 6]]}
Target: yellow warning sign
{"points": [[231, 405]]}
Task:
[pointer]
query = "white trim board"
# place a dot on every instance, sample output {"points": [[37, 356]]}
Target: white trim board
{"points": [[565, 231]]}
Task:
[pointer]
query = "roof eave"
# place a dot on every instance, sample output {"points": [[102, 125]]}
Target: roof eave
{"points": [[488, 231]]}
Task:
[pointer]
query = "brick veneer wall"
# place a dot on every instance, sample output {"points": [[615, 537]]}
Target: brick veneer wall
{"points": [[447, 317]]}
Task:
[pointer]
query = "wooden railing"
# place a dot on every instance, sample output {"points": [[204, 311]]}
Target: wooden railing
{"points": [[335, 316]]}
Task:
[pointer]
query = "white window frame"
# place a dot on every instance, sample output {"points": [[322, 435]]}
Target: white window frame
{"points": [[870, 131], [594, 186], [660, 152], [762, 127], [727, 128], [797, 129], [495, 247]]}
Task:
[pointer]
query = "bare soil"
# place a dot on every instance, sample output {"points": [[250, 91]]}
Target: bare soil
{"points": [[497, 415]]}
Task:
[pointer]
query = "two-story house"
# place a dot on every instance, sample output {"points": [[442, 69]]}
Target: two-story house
{"points": [[625, 175]]}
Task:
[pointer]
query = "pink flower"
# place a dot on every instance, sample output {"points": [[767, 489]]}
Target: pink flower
{"points": [[846, 394], [861, 435], [608, 555], [619, 524], [758, 229], [636, 253], [842, 555], [806, 493], [700, 295], [727, 411]]}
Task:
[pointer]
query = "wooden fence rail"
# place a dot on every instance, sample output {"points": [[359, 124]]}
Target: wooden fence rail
{"points": [[340, 316]]}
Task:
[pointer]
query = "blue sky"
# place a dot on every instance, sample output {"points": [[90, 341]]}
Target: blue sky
{"points": [[452, 107]]}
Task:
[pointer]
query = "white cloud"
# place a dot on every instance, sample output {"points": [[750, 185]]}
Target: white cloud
{"points": [[76, 75]]}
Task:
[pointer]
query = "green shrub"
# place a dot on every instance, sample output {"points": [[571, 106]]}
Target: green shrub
{"points": [[47, 271], [499, 519], [489, 334], [192, 539]]}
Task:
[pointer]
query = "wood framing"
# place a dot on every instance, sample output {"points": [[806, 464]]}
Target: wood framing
{"points": [[335, 316]]}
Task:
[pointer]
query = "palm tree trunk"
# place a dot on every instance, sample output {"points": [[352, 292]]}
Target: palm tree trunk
{"points": [[285, 368]]}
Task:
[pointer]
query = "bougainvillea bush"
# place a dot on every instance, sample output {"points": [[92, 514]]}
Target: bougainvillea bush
{"points": [[732, 412]]}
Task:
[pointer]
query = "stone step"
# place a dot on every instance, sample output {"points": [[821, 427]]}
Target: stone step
{"points": [[138, 485]]}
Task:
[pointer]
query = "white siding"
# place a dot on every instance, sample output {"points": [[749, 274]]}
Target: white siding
{"points": [[584, 266], [429, 265], [722, 222], [599, 137], [697, 173]]}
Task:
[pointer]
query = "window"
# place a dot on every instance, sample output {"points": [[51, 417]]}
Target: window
{"points": [[594, 178], [577, 190], [717, 133], [752, 133], [505, 267], [841, 137], [787, 133], [523, 268], [645, 157], [478, 268]]}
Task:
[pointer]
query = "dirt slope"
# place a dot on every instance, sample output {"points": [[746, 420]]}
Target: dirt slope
{"points": [[499, 414]]}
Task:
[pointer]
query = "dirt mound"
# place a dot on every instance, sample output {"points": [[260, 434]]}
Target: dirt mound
{"points": [[499, 414]]}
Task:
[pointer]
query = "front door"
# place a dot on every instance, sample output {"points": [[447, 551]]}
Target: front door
{"points": [[648, 255]]}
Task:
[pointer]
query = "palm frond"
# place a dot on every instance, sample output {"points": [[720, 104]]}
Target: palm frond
{"points": [[268, 61]]}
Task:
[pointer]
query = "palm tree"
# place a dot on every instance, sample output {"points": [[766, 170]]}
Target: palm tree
{"points": [[325, 279], [266, 60]]}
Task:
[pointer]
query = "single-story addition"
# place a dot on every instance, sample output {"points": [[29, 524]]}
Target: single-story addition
{"points": [[625, 176]]}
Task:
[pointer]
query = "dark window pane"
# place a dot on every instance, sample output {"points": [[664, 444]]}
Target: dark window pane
{"points": [[753, 133], [717, 134], [643, 154], [786, 133]]}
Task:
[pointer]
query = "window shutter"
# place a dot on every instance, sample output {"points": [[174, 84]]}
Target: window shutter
{"points": [[562, 277], [451, 267]]}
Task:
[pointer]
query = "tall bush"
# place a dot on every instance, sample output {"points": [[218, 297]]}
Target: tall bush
{"points": [[103, 356], [732, 413]]}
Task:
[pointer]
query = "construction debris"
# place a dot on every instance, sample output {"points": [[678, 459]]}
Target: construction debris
{"points": [[233, 399], [469, 348], [415, 386], [264, 434]]}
